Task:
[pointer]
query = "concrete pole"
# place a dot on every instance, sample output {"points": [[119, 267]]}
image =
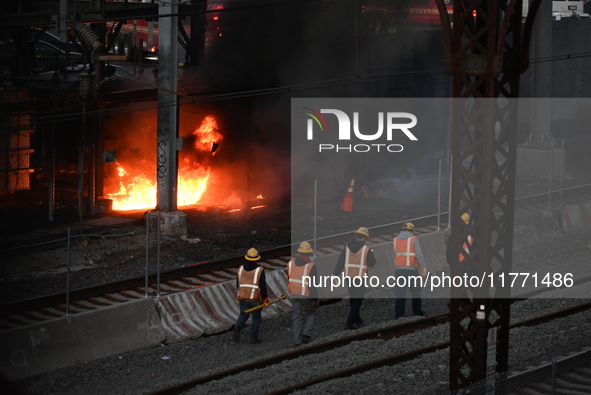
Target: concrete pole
{"points": [[542, 72], [169, 220], [62, 23], [167, 163], [315, 215]]}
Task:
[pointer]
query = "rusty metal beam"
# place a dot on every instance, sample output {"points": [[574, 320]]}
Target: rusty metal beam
{"points": [[484, 53]]}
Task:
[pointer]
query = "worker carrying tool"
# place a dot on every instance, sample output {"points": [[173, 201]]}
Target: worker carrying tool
{"points": [[252, 292], [266, 304]]}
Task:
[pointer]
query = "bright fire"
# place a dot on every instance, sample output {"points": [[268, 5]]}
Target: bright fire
{"points": [[207, 135], [138, 191]]}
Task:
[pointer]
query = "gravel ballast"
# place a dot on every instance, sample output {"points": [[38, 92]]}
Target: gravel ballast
{"points": [[147, 370]]}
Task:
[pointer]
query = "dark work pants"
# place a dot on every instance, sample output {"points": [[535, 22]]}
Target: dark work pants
{"points": [[256, 316], [303, 313], [415, 292], [354, 316]]}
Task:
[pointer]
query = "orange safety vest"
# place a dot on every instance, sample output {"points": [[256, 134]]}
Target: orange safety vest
{"points": [[356, 262], [466, 248], [404, 251], [295, 278], [248, 284]]}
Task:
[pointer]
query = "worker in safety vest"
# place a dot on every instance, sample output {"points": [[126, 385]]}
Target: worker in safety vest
{"points": [[252, 292], [408, 260], [354, 261], [465, 246], [303, 295], [464, 252]]}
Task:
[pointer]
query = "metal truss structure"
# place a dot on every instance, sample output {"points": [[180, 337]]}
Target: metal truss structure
{"points": [[486, 50]]}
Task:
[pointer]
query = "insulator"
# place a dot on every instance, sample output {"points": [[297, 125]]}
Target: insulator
{"points": [[86, 85], [87, 36]]}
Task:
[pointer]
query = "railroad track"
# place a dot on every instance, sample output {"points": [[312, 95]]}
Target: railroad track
{"points": [[48, 307], [570, 374], [381, 333], [31, 311]]}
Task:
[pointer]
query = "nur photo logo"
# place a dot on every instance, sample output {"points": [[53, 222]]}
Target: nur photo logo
{"points": [[388, 123]]}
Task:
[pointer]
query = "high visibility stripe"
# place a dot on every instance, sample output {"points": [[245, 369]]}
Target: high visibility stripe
{"points": [[255, 281], [409, 253], [466, 248]]}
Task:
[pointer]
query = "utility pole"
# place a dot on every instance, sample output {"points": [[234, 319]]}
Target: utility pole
{"points": [[174, 222]]}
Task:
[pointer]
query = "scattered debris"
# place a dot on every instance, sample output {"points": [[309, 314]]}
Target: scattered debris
{"points": [[192, 241]]}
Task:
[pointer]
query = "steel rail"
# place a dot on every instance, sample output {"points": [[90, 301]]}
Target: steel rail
{"points": [[416, 353], [189, 270], [58, 300], [381, 333], [134, 283]]}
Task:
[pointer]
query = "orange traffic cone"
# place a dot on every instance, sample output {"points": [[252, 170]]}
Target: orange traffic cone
{"points": [[347, 204]]}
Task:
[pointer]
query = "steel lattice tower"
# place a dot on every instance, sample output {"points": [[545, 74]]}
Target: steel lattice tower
{"points": [[486, 50]]}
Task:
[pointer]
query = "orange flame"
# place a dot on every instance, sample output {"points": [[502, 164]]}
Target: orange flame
{"points": [[138, 191], [207, 135], [135, 192]]}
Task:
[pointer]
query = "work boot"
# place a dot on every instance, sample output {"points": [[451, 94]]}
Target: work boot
{"points": [[255, 340], [236, 334], [306, 339]]}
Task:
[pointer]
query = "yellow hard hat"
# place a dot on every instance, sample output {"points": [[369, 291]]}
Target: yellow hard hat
{"points": [[363, 231], [466, 218], [252, 255], [408, 226], [305, 248]]}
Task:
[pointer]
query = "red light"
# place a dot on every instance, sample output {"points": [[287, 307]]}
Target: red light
{"points": [[153, 49], [215, 18], [474, 13], [220, 7]]}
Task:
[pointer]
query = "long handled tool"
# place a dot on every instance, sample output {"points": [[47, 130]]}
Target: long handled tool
{"points": [[265, 305]]}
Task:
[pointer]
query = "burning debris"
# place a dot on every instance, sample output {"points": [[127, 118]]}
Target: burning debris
{"points": [[210, 176], [136, 187]]}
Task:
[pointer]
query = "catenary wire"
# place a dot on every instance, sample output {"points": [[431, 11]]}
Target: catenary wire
{"points": [[205, 97]]}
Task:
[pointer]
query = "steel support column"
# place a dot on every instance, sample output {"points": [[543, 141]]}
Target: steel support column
{"points": [[167, 163], [485, 52]]}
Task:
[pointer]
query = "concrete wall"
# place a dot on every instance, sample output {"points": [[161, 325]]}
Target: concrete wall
{"points": [[213, 309], [569, 77], [67, 341], [534, 163]]}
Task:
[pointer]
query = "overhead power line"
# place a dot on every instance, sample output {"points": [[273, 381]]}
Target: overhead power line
{"points": [[190, 98]]}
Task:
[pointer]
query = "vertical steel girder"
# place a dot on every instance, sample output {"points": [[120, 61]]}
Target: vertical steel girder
{"points": [[167, 162], [485, 55]]}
